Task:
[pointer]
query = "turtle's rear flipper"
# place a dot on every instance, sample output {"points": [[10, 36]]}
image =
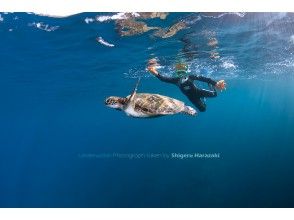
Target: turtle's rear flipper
{"points": [[190, 111]]}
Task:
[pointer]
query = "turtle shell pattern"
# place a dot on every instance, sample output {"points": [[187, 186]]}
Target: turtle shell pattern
{"points": [[154, 104]]}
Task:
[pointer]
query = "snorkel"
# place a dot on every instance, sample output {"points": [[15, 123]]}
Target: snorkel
{"points": [[181, 69]]}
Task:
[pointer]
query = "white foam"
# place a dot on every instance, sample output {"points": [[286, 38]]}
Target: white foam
{"points": [[194, 20], [118, 16], [276, 17], [285, 63], [228, 64], [292, 39], [240, 14], [44, 27], [51, 15], [89, 20], [1, 18], [103, 42]]}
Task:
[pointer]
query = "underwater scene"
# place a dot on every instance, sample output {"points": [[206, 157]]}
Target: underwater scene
{"points": [[147, 110]]}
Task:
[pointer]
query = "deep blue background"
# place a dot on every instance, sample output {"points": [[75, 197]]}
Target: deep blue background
{"points": [[52, 90]]}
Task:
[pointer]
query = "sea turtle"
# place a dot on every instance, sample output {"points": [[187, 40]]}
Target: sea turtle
{"points": [[144, 105]]}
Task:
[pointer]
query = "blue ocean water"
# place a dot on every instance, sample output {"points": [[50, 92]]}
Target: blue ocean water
{"points": [[60, 146]]}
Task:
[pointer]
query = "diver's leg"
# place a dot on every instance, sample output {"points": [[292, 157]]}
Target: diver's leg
{"points": [[199, 104], [207, 93]]}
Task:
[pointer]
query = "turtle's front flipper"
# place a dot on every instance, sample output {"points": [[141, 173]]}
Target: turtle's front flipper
{"points": [[190, 111], [132, 96]]}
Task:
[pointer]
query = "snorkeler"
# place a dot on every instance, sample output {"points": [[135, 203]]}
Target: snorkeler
{"points": [[186, 84]]}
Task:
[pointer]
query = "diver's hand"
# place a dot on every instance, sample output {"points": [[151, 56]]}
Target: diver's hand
{"points": [[152, 70], [151, 66], [221, 85]]}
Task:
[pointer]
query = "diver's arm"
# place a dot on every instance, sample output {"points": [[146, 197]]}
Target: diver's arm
{"points": [[221, 84], [203, 79], [167, 79]]}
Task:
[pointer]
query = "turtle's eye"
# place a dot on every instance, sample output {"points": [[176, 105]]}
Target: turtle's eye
{"points": [[110, 102], [107, 101]]}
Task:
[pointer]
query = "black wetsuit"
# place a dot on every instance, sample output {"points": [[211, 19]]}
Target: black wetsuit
{"points": [[193, 93]]}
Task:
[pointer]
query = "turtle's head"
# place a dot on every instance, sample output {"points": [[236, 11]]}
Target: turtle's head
{"points": [[115, 102]]}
